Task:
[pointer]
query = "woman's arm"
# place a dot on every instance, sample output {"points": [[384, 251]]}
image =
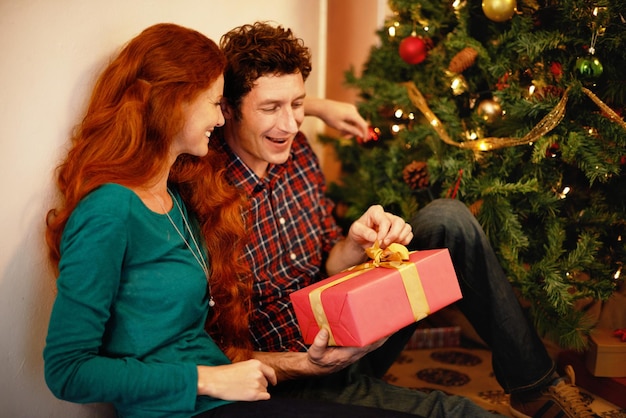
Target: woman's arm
{"points": [[76, 367]]}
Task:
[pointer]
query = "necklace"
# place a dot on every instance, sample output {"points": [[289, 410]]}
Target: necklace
{"points": [[198, 256]]}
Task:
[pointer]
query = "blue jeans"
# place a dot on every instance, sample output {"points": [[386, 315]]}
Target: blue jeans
{"points": [[297, 408], [520, 360], [356, 386]]}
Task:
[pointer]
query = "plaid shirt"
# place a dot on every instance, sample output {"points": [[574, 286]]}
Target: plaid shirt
{"points": [[292, 231]]}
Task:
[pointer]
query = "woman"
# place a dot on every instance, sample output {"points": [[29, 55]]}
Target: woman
{"points": [[145, 242]]}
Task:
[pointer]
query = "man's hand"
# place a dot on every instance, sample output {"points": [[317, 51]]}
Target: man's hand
{"points": [[319, 360], [377, 225], [341, 116], [324, 359]]}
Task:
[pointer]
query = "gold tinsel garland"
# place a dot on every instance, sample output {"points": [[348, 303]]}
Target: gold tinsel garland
{"points": [[545, 125]]}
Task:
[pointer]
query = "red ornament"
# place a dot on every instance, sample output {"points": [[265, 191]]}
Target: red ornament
{"points": [[503, 82], [373, 134], [556, 69], [553, 150], [621, 334], [413, 50]]}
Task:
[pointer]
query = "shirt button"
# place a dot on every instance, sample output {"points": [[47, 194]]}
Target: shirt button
{"points": [[281, 221], [292, 256]]}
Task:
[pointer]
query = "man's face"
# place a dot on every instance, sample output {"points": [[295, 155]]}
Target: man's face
{"points": [[271, 115]]}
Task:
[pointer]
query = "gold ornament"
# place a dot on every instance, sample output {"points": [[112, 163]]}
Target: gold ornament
{"points": [[499, 10], [489, 110], [458, 84]]}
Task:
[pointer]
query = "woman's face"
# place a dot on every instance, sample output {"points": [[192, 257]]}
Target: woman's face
{"points": [[201, 116]]}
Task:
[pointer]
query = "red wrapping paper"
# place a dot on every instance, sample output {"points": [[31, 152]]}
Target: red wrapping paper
{"points": [[363, 306]]}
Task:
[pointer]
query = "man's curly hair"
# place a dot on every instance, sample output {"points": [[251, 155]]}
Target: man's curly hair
{"points": [[256, 50]]}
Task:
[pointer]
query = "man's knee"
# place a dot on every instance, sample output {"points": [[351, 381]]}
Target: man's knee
{"points": [[446, 212]]}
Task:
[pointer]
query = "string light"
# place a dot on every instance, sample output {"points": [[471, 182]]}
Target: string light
{"points": [[483, 146], [392, 29], [597, 26], [457, 5]]}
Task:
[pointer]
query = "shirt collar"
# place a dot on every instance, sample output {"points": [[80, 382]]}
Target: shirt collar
{"points": [[243, 177]]}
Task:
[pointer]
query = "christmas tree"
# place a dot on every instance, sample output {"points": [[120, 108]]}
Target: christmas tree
{"points": [[515, 109]]}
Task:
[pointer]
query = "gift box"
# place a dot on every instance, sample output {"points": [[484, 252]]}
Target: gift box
{"points": [[371, 301], [606, 356], [438, 337]]}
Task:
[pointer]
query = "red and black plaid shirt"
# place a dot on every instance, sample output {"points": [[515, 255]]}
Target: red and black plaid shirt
{"points": [[292, 231]]}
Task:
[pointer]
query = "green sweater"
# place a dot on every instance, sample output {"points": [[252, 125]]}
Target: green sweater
{"points": [[127, 326]]}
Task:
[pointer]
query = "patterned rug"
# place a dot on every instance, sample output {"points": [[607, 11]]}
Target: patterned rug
{"points": [[467, 372]]}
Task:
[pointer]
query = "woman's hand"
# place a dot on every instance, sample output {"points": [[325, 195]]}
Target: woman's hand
{"points": [[242, 381]]}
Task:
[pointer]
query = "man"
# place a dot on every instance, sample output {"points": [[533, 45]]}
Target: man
{"points": [[295, 241]]}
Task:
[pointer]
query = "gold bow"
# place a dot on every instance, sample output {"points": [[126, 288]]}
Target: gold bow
{"points": [[395, 252], [390, 257]]}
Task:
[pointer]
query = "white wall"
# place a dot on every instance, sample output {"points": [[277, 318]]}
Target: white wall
{"points": [[51, 53]]}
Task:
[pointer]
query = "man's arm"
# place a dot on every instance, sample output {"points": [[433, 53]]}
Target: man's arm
{"points": [[319, 360], [341, 116]]}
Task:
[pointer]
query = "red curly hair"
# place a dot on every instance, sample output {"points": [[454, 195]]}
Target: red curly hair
{"points": [[134, 112]]}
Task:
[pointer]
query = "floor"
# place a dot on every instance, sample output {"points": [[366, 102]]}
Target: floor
{"points": [[467, 372]]}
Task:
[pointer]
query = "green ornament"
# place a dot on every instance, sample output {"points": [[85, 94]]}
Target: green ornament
{"points": [[589, 67]]}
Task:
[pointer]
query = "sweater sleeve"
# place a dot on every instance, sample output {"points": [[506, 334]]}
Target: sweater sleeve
{"points": [[92, 253]]}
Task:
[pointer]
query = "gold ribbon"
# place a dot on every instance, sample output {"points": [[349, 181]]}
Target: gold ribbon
{"points": [[396, 256], [542, 128]]}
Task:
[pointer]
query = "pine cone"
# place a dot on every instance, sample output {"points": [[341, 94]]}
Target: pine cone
{"points": [[549, 90], [463, 60], [415, 174]]}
